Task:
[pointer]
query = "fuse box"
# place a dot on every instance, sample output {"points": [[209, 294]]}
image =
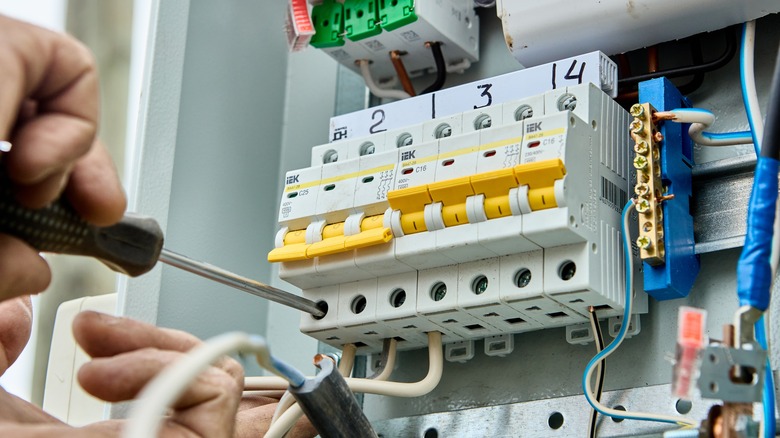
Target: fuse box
{"points": [[494, 221]]}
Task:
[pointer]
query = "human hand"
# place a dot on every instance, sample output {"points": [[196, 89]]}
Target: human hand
{"points": [[49, 106], [127, 354]]}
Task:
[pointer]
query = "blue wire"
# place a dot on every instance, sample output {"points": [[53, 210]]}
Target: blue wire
{"points": [[768, 395], [743, 83], [295, 377], [623, 327]]}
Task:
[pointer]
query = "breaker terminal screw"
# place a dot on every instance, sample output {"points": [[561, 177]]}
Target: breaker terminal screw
{"points": [[636, 126], [439, 291], [644, 243], [641, 147], [643, 206], [637, 110], [640, 162], [642, 189]]}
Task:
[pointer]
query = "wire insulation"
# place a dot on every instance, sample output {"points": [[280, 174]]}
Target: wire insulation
{"points": [[148, 410], [400, 70], [700, 120], [598, 339], [441, 68], [748, 82], [365, 70], [591, 367], [394, 389], [389, 350]]}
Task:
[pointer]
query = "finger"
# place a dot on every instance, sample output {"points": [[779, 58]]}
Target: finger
{"points": [[94, 189], [43, 193], [102, 335], [59, 74], [15, 329], [208, 406], [13, 429], [22, 271]]}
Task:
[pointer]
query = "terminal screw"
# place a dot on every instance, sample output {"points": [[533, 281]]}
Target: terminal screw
{"points": [[644, 243], [640, 162], [636, 126], [642, 189], [641, 147], [637, 110], [643, 206], [658, 137]]}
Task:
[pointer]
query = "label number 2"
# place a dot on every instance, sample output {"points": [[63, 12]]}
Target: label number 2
{"points": [[485, 93], [570, 74], [374, 128]]}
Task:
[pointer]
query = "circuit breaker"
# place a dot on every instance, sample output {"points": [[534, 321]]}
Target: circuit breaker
{"points": [[497, 220]]}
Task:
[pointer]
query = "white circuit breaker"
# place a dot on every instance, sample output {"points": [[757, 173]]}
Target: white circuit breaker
{"points": [[373, 28], [491, 221]]}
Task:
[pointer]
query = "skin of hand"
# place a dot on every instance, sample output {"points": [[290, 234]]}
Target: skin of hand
{"points": [[49, 106], [127, 354]]}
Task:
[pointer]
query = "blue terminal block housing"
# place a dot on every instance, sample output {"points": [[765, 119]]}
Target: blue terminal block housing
{"points": [[675, 277]]}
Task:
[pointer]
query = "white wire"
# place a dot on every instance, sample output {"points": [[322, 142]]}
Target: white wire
{"points": [[746, 62], [170, 384], [591, 398], [393, 389], [285, 422], [700, 120], [375, 89], [389, 361]]}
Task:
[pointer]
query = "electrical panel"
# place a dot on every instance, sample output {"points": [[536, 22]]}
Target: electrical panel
{"points": [[352, 30], [496, 220]]}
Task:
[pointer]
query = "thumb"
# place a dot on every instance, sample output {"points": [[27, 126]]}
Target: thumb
{"points": [[15, 328]]}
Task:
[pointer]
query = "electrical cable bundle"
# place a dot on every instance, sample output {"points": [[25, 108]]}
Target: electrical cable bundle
{"points": [[757, 265]]}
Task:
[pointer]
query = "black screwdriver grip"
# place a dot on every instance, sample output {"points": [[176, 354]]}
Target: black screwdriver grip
{"points": [[131, 246]]}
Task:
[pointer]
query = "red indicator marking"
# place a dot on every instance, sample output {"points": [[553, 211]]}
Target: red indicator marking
{"points": [[533, 144], [447, 162], [489, 154], [407, 171]]}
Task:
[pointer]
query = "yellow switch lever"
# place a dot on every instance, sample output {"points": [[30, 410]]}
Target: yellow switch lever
{"points": [[495, 185], [540, 178], [411, 203]]}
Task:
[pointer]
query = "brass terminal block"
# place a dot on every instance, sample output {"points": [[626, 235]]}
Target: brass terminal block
{"points": [[648, 187]]}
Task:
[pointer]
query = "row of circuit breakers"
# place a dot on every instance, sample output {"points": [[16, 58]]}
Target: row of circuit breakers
{"points": [[499, 220]]}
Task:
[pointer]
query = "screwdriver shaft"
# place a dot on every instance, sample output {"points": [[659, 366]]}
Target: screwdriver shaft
{"points": [[228, 278]]}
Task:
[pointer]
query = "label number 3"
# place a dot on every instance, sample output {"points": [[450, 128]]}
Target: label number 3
{"points": [[485, 93]]}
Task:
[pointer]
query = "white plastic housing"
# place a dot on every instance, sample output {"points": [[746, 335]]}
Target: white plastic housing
{"points": [[562, 28]]}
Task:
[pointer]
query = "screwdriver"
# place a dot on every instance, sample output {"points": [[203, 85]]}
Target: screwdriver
{"points": [[132, 247]]}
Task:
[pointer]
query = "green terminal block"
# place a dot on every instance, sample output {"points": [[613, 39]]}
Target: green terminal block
{"points": [[394, 14], [361, 19], [328, 19]]}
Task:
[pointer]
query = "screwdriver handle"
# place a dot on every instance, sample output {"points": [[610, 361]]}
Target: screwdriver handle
{"points": [[131, 246]]}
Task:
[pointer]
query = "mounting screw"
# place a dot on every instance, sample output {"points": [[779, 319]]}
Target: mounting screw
{"points": [[643, 206], [641, 147], [658, 137], [637, 110], [644, 243], [636, 126], [640, 162]]}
